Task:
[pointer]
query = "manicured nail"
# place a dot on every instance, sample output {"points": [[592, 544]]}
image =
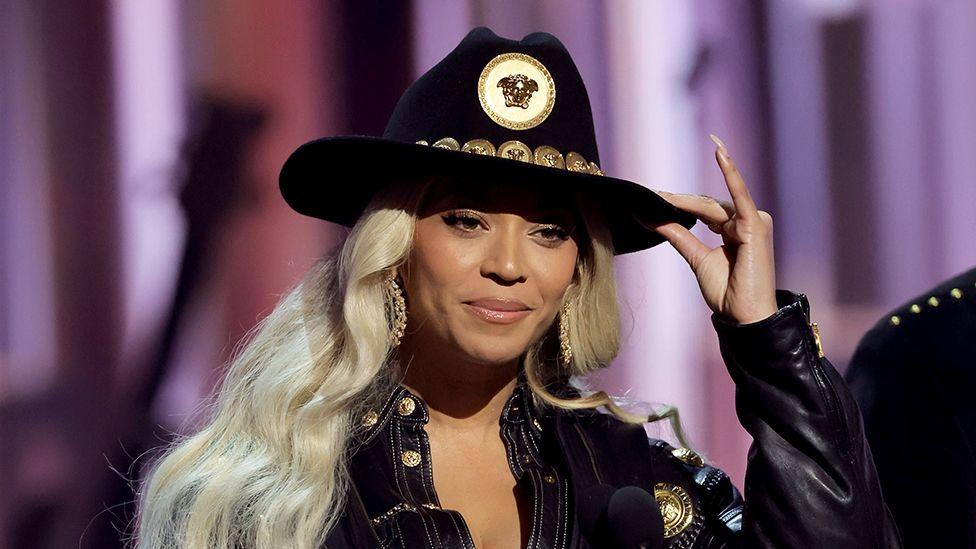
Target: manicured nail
{"points": [[723, 152], [717, 141]]}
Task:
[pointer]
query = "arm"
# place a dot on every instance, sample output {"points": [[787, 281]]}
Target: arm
{"points": [[810, 479]]}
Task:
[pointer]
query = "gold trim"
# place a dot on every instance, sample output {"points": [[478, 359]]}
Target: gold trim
{"points": [[515, 150], [816, 339], [576, 163], [688, 456], [543, 155], [512, 125], [479, 146], [447, 143], [677, 510]]}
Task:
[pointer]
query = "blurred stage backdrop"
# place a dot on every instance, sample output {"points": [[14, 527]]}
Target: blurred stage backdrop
{"points": [[143, 235]]}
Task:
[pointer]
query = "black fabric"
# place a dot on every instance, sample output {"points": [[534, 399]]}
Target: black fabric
{"points": [[810, 478], [916, 378], [333, 178]]}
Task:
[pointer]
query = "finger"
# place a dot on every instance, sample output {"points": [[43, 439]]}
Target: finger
{"points": [[687, 244], [711, 211], [745, 207]]}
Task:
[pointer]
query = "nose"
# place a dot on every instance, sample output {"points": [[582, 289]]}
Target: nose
{"points": [[503, 261]]}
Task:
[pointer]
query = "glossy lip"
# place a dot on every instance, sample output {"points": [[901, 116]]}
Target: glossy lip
{"points": [[498, 311]]}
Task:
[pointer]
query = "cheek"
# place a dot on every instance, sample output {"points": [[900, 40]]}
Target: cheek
{"points": [[554, 271], [438, 266]]}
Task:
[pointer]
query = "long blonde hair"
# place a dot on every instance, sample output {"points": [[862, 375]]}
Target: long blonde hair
{"points": [[268, 468]]}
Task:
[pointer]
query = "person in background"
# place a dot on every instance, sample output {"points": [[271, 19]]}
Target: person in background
{"points": [[914, 377]]}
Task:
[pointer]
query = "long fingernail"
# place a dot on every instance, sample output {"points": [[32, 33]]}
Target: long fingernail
{"points": [[723, 152], [717, 141]]}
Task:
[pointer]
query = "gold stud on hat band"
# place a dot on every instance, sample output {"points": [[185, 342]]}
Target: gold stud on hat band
{"points": [[543, 155]]}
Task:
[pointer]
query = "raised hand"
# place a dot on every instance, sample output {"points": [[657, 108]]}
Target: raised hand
{"points": [[737, 279]]}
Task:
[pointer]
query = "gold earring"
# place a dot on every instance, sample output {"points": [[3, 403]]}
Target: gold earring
{"points": [[398, 322], [565, 350]]}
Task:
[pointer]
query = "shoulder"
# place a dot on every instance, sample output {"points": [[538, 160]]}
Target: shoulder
{"points": [[941, 317], [697, 499]]}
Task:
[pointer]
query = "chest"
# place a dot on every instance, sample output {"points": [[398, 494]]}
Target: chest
{"points": [[474, 478], [420, 489]]}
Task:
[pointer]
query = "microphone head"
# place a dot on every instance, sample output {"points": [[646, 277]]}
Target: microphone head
{"points": [[634, 519]]}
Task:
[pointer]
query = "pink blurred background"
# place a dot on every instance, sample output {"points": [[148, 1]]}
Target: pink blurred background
{"points": [[142, 234]]}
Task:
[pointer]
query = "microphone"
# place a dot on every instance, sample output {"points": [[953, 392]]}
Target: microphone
{"points": [[628, 518]]}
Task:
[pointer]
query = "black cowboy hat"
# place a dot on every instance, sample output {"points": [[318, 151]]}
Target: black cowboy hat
{"points": [[495, 108]]}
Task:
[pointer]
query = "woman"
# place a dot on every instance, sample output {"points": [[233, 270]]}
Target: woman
{"points": [[418, 389]]}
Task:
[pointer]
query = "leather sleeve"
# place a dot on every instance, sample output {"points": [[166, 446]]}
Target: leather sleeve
{"points": [[810, 479]]}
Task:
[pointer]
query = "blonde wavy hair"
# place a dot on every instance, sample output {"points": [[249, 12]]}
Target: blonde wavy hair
{"points": [[268, 467]]}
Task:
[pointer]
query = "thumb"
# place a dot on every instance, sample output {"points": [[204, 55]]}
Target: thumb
{"points": [[687, 244]]}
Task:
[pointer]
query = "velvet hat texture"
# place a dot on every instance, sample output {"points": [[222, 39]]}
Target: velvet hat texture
{"points": [[493, 109]]}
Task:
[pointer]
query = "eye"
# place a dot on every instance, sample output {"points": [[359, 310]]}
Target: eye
{"points": [[463, 220], [553, 233]]}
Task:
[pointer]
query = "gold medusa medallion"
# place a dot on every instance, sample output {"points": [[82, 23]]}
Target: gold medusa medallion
{"points": [[515, 150], [516, 91], [676, 508]]}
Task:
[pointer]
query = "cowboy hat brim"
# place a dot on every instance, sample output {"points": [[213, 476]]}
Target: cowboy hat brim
{"points": [[334, 178]]}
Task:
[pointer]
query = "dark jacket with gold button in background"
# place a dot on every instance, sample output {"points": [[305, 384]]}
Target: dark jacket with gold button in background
{"points": [[914, 375], [810, 480]]}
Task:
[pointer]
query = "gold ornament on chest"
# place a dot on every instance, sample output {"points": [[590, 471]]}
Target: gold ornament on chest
{"points": [[677, 510]]}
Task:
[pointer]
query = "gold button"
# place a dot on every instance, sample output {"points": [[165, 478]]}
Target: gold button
{"points": [[406, 406], [370, 418], [915, 309], [956, 293], [688, 456], [448, 143], [595, 170], [515, 150], [410, 458], [895, 320], [545, 155], [933, 301], [576, 163], [549, 479], [479, 146]]}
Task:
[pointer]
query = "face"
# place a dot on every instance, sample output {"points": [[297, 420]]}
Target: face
{"points": [[489, 268]]}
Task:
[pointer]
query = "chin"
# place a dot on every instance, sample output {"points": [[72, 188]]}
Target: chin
{"points": [[496, 352]]}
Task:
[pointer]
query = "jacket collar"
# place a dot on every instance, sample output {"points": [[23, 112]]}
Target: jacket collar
{"points": [[403, 405]]}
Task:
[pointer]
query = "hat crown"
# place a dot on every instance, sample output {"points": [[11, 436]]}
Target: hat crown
{"points": [[448, 100]]}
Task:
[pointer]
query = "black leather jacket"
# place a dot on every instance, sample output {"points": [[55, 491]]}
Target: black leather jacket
{"points": [[810, 479]]}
